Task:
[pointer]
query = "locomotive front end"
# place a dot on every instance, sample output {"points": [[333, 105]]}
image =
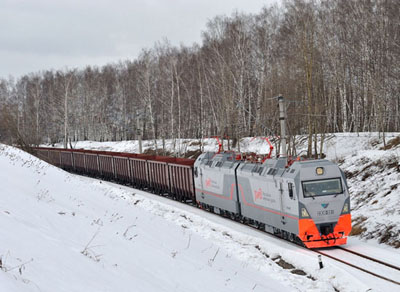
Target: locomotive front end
{"points": [[324, 205]]}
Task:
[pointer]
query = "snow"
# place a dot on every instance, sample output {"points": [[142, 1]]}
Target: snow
{"points": [[177, 146], [62, 232]]}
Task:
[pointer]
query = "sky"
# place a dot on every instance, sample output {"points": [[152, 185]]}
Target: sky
{"points": [[40, 35]]}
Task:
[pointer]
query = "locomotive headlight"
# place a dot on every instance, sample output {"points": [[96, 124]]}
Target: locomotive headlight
{"points": [[304, 213], [345, 208], [319, 170]]}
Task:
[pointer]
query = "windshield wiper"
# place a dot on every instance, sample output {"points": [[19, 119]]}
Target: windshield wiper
{"points": [[309, 194]]}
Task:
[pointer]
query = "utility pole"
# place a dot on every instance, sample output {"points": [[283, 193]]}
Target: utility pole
{"points": [[282, 120], [139, 132], [66, 88]]}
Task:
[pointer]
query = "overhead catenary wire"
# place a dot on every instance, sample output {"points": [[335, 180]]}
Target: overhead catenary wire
{"points": [[265, 128]]}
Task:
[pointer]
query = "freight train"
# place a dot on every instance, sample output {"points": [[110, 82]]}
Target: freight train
{"points": [[301, 201], [306, 201]]}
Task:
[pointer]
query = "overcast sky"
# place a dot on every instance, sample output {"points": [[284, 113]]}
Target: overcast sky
{"points": [[55, 34]]}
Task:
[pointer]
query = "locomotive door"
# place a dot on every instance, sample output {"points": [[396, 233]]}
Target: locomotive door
{"points": [[201, 182], [281, 193]]}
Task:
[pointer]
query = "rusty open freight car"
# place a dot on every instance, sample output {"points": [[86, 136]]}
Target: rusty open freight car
{"points": [[158, 174]]}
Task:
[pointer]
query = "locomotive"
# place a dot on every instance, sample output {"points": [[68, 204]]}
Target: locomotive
{"points": [[307, 201], [302, 201]]}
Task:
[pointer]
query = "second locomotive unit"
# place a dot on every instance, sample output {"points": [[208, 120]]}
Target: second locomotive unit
{"points": [[303, 201]]}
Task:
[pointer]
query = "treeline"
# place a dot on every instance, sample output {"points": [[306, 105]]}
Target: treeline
{"points": [[336, 62]]}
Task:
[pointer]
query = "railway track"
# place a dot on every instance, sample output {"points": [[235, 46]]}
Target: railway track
{"points": [[363, 263], [370, 258]]}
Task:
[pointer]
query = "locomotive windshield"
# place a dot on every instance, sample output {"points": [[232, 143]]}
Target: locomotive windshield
{"points": [[322, 187]]}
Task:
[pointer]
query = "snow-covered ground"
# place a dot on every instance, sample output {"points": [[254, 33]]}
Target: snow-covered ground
{"points": [[62, 232], [175, 147], [373, 173]]}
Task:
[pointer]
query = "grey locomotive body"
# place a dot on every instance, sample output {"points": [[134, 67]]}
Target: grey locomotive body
{"points": [[306, 201]]}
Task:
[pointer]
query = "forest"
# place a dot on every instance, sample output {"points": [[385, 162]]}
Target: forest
{"points": [[336, 62]]}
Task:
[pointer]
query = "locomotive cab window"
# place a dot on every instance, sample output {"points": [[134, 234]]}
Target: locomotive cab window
{"points": [[322, 187], [290, 187]]}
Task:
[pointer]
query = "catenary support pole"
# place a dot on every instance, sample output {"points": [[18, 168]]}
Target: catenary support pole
{"points": [[282, 120]]}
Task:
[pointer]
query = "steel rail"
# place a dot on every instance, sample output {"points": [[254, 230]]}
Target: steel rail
{"points": [[369, 258], [356, 267]]}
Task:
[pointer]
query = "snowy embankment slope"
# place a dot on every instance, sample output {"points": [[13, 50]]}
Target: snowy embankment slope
{"points": [[60, 232], [373, 173]]}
